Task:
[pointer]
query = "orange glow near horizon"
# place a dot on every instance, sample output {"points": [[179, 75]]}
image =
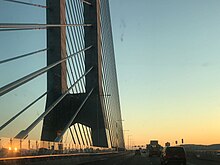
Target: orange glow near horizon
{"points": [[142, 136], [192, 127]]}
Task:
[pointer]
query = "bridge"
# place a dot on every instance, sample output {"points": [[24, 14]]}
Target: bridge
{"points": [[59, 94], [59, 90]]}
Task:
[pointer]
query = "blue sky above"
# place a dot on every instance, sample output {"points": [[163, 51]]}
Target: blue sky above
{"points": [[167, 56]]}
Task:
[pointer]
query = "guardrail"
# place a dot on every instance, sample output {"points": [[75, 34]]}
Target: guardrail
{"points": [[213, 155], [11, 147]]}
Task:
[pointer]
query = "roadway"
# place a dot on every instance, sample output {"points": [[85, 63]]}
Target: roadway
{"points": [[128, 158], [143, 159]]}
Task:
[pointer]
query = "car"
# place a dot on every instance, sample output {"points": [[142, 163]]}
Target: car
{"points": [[173, 155], [137, 152], [154, 151]]}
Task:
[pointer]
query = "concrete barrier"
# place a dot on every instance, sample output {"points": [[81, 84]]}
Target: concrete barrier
{"points": [[204, 154]]}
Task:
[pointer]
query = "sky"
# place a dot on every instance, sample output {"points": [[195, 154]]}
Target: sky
{"points": [[167, 57], [16, 43]]}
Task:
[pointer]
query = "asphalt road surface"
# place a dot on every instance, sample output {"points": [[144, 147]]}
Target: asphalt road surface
{"points": [[143, 159]]}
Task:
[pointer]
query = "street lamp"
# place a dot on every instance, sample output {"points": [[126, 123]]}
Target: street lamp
{"points": [[128, 141], [124, 134]]}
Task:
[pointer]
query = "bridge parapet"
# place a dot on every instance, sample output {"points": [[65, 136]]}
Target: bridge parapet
{"points": [[11, 147]]}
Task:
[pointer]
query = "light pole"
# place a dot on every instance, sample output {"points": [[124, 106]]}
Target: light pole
{"points": [[128, 141], [124, 136]]}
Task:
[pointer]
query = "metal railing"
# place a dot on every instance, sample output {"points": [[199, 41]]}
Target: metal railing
{"points": [[11, 147]]}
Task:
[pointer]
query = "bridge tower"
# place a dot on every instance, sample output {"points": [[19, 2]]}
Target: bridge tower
{"points": [[90, 107]]}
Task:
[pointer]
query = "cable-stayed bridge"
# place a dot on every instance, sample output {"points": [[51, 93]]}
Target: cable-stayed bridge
{"points": [[58, 83]]}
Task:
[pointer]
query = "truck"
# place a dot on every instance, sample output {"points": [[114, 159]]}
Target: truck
{"points": [[167, 144], [154, 148]]}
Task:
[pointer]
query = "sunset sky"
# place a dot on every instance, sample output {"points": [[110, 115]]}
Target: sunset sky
{"points": [[168, 63], [168, 66]]}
